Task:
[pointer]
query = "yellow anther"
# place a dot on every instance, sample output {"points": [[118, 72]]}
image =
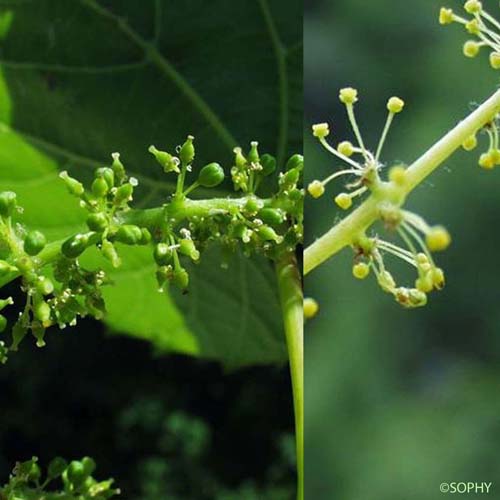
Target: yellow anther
{"points": [[360, 270], [424, 284], [473, 27], [345, 148], [487, 161], [348, 95], [438, 278], [438, 238], [470, 143], [495, 60], [320, 130], [473, 6], [311, 308], [398, 175], [316, 189], [446, 16], [343, 200], [395, 105], [471, 48]]}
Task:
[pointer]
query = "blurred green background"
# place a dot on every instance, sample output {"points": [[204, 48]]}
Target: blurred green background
{"points": [[399, 401]]}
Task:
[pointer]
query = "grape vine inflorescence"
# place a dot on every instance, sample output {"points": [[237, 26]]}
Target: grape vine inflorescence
{"points": [[418, 238], [61, 481], [59, 289]]}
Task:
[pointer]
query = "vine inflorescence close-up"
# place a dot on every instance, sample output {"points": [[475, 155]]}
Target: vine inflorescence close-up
{"points": [[387, 197], [59, 289]]}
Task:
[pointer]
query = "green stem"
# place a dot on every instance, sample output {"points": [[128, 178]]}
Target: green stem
{"points": [[290, 288], [343, 233], [177, 210]]}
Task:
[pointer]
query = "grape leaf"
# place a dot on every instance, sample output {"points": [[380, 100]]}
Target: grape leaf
{"points": [[80, 79]]}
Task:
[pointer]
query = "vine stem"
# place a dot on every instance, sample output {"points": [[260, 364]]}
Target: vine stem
{"points": [[154, 218], [343, 233], [290, 289]]}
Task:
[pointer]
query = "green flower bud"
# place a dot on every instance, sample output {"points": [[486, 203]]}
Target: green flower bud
{"points": [[211, 175], [267, 233], [74, 187], [100, 187], [271, 216], [180, 278], [24, 264], [34, 242], [123, 194], [146, 236], [187, 247], [76, 473], [268, 163], [89, 465], [162, 254], [118, 168], [3, 323], [44, 286], [295, 162], [8, 203], [29, 470], [19, 331], [42, 311], [6, 268], [253, 154], [163, 274], [56, 467], [239, 160], [109, 252], [38, 332], [129, 234], [290, 178], [97, 222], [107, 174], [252, 205], [166, 160], [186, 153], [76, 245]]}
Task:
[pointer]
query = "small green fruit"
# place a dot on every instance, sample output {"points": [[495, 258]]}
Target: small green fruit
{"points": [[162, 254], [107, 174], [97, 222], [211, 175], [8, 203], [271, 216], [129, 234], [34, 242], [123, 194], [100, 187], [268, 163], [180, 278], [295, 162], [186, 153]]}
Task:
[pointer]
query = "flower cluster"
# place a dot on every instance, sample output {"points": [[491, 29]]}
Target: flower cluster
{"points": [[486, 30], [482, 26], [370, 253], [418, 239], [59, 289], [27, 481]]}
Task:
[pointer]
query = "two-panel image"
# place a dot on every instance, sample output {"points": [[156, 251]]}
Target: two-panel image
{"points": [[249, 249]]}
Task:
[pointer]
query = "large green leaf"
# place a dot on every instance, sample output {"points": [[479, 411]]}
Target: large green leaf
{"points": [[81, 79]]}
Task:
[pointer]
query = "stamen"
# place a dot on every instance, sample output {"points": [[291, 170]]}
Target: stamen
{"points": [[332, 150]]}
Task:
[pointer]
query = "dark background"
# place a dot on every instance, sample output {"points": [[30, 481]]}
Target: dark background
{"points": [[399, 401]]}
